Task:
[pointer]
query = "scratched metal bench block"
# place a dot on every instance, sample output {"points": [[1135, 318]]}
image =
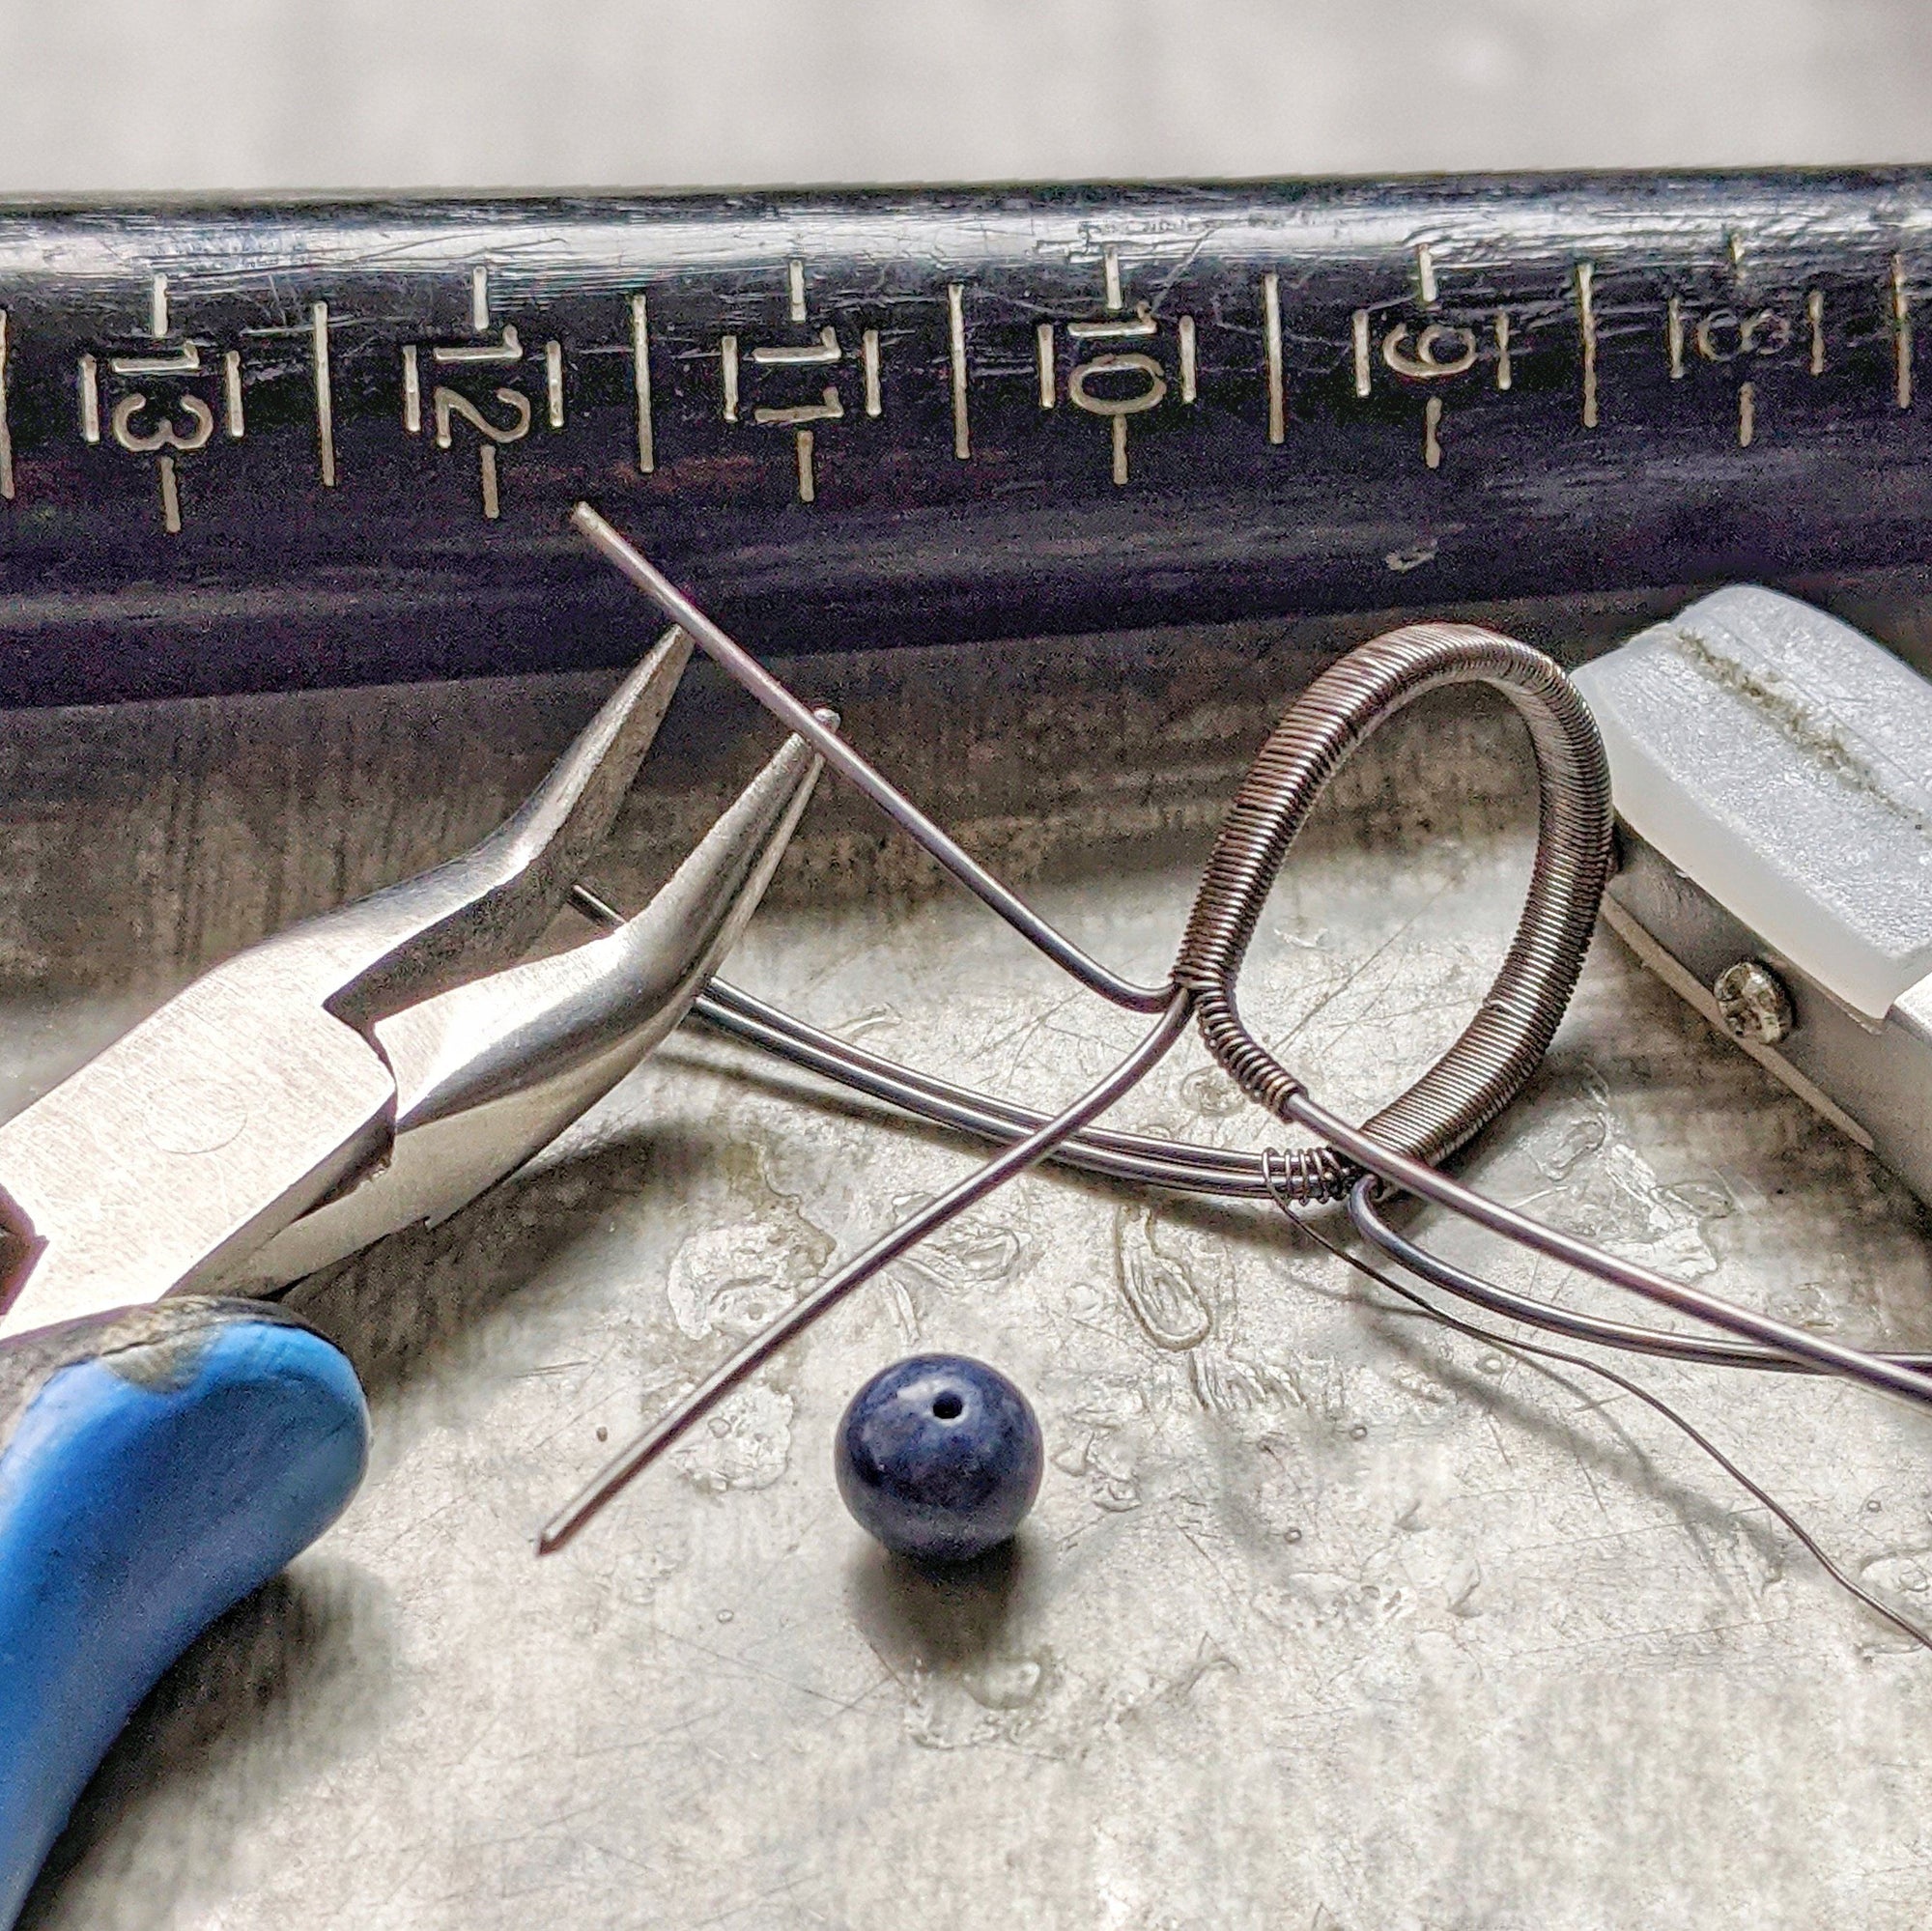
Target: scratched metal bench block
{"points": [[1314, 1597]]}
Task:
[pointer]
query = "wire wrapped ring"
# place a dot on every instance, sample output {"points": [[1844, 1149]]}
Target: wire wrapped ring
{"points": [[1499, 1049]]}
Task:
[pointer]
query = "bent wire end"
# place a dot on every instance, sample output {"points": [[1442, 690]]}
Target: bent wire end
{"points": [[737, 662]]}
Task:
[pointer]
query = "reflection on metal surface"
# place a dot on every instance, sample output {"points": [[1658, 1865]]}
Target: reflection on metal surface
{"points": [[1245, 1668], [1156, 1284], [1484, 1070]]}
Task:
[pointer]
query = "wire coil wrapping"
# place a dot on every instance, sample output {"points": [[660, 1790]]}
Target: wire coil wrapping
{"points": [[1499, 1049], [1484, 1070]]}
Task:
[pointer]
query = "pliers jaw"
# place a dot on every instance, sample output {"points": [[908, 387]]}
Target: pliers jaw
{"points": [[388, 1049], [490, 1072]]}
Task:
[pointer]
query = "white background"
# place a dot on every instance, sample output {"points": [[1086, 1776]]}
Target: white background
{"points": [[207, 95]]}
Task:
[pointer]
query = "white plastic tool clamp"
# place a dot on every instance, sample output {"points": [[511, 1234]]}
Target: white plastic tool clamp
{"points": [[1773, 774]]}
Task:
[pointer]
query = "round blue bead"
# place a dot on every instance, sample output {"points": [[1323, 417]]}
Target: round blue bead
{"points": [[939, 1457]]}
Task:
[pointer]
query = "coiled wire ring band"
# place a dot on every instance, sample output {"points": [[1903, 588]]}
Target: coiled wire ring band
{"points": [[1467, 1087], [1498, 1050]]}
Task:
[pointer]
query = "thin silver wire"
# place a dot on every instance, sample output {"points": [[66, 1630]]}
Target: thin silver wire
{"points": [[1794, 1342], [1632, 1338], [1207, 1170], [1288, 1097], [1183, 1168], [738, 664], [631, 1460], [1533, 1354]]}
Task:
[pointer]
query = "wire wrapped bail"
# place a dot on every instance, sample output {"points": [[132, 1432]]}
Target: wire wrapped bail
{"points": [[1496, 1054]]}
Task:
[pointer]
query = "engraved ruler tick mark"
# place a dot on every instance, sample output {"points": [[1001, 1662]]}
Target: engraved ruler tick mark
{"points": [[956, 344], [1277, 386], [1586, 318], [90, 400], [231, 394], [6, 424], [640, 382], [325, 393]]}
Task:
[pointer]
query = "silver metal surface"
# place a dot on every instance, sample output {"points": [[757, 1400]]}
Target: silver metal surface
{"points": [[1322, 1620]]}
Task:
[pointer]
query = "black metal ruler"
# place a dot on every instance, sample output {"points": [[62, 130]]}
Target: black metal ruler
{"points": [[321, 442]]}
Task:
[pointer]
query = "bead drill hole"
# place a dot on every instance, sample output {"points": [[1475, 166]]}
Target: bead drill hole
{"points": [[948, 1406]]}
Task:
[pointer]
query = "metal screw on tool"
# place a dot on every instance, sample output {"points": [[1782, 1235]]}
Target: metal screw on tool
{"points": [[1753, 1003]]}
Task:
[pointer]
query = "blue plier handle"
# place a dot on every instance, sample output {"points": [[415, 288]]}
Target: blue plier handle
{"points": [[167, 1443], [156, 1467]]}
